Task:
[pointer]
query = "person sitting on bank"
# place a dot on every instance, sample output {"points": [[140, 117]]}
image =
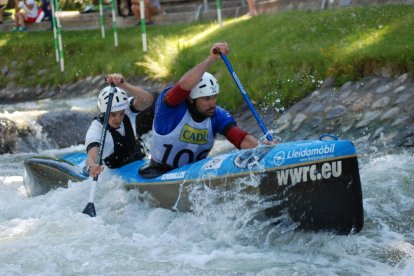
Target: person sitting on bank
{"points": [[47, 9], [27, 12], [3, 5], [151, 8], [187, 119], [121, 8], [123, 143]]}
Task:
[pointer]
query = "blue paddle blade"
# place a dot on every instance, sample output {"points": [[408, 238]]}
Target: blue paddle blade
{"points": [[90, 210]]}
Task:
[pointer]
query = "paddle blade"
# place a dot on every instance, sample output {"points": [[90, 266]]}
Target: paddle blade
{"points": [[90, 210]]}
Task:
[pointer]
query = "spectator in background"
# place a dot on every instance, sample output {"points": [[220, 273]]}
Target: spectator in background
{"points": [[27, 12], [252, 8], [120, 8], [3, 4], [151, 8], [47, 9]]}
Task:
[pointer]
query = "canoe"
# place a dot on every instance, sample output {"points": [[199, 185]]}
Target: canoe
{"points": [[316, 182]]}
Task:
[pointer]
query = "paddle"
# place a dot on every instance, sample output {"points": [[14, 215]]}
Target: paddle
{"points": [[245, 96], [90, 207]]}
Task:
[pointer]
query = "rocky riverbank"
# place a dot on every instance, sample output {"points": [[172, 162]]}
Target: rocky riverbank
{"points": [[375, 113], [86, 87]]}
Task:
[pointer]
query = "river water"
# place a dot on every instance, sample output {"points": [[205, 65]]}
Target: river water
{"points": [[48, 234]]}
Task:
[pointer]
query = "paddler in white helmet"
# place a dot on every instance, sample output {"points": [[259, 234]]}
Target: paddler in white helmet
{"points": [[122, 143], [187, 119]]}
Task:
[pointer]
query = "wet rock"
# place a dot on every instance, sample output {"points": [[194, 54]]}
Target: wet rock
{"points": [[314, 122], [49, 94], [301, 105], [400, 88], [72, 87], [400, 120], [283, 127], [344, 95], [8, 135], [351, 98], [66, 128], [409, 136], [96, 79], [383, 88], [246, 115], [252, 127], [347, 86], [298, 121], [315, 108], [359, 85], [328, 82], [38, 92], [345, 128], [390, 137], [390, 114], [381, 103], [368, 118], [285, 118], [315, 94], [378, 133], [409, 142], [401, 79], [372, 83], [336, 112], [410, 130], [362, 140], [363, 102], [403, 98]]}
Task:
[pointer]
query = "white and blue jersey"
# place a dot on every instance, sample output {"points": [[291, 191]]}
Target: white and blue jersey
{"points": [[178, 139]]}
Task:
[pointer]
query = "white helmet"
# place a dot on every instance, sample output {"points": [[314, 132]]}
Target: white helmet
{"points": [[119, 101], [208, 86]]}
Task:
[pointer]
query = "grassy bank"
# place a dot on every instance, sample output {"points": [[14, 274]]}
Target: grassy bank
{"points": [[282, 55]]}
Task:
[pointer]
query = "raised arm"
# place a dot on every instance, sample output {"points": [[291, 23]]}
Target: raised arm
{"points": [[143, 98], [192, 77]]}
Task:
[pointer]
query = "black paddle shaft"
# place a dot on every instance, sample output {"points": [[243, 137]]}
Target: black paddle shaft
{"points": [[90, 207], [105, 128]]}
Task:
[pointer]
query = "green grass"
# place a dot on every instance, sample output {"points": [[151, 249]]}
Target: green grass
{"points": [[276, 56]]}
